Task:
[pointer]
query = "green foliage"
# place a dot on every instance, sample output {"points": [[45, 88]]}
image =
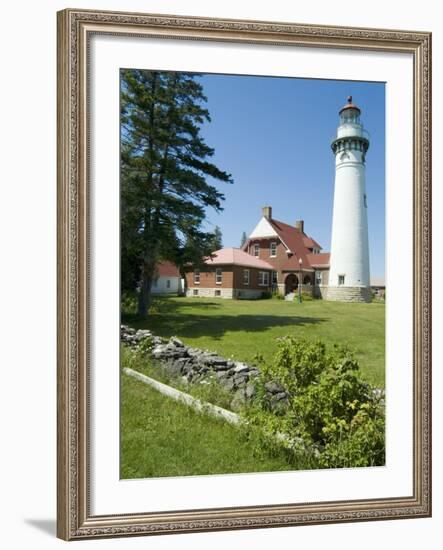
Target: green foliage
{"points": [[277, 295], [164, 175], [128, 302], [327, 410], [216, 239]]}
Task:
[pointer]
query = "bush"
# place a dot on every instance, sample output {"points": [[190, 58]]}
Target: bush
{"points": [[129, 303], [323, 405]]}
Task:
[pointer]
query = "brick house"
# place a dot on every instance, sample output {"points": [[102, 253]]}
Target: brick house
{"points": [[276, 257], [295, 257], [230, 273]]}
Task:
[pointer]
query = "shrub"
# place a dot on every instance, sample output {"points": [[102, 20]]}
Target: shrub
{"points": [[129, 303], [326, 408], [277, 295]]}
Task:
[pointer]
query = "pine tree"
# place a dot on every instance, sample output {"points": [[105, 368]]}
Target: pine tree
{"points": [[243, 239], [216, 239], [164, 173]]}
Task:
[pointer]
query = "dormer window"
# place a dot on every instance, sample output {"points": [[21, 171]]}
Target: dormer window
{"points": [[256, 250], [273, 250]]}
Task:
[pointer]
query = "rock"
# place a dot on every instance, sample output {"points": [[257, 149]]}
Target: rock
{"points": [[274, 387], [241, 367], [219, 362], [240, 379], [227, 383], [144, 332], [174, 367], [159, 350], [194, 352], [181, 363], [279, 396], [249, 391], [221, 374], [220, 367], [176, 342], [238, 400]]}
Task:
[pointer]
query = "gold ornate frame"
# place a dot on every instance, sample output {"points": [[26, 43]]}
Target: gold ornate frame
{"points": [[75, 27]]}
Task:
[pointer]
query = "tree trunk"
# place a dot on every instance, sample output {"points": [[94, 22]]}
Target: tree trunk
{"points": [[144, 296]]}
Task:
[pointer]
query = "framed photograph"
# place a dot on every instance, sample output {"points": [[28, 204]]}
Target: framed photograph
{"points": [[244, 293]]}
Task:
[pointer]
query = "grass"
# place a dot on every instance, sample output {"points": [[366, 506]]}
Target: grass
{"points": [[161, 437], [241, 328]]}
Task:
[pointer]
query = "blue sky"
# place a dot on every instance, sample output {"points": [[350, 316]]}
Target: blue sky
{"points": [[273, 135]]}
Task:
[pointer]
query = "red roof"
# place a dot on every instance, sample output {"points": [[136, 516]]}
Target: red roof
{"points": [[235, 256], [319, 260], [310, 243], [167, 269], [350, 105], [295, 240]]}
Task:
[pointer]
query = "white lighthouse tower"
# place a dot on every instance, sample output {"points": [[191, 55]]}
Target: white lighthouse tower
{"points": [[349, 263]]}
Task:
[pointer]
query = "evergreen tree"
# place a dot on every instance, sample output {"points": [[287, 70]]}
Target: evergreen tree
{"points": [[164, 173], [243, 239], [216, 239]]}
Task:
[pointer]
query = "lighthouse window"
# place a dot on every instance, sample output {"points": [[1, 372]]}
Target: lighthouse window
{"points": [[341, 280], [365, 202]]}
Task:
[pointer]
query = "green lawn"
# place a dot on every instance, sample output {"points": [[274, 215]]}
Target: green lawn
{"points": [[161, 437], [242, 328]]}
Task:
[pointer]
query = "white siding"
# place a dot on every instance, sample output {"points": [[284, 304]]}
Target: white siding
{"points": [[263, 229], [161, 285]]}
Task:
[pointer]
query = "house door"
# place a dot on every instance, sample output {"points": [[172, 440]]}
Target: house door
{"points": [[291, 283]]}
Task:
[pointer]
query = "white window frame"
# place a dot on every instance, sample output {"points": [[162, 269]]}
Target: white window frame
{"points": [[340, 277], [273, 255], [217, 293], [256, 250], [263, 278], [276, 277], [168, 283], [196, 276], [319, 278], [218, 275], [246, 280], [195, 292]]}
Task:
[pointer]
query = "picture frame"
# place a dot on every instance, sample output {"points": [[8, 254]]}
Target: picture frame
{"points": [[75, 518]]}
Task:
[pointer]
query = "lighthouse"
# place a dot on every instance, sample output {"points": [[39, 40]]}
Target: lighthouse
{"points": [[349, 262]]}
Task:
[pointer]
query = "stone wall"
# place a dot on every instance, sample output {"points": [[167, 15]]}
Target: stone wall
{"points": [[218, 292], [194, 365], [346, 294]]}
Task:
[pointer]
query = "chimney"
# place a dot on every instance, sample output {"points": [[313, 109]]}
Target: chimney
{"points": [[300, 224], [267, 212]]}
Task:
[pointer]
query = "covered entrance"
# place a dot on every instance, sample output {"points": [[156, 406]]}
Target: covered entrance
{"points": [[291, 283]]}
